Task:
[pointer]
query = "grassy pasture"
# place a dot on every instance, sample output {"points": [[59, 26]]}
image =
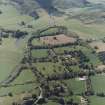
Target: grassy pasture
{"points": [[39, 53], [61, 50], [98, 83], [11, 17], [49, 68], [94, 100], [51, 103], [75, 68], [74, 97], [10, 56], [49, 31], [94, 59], [16, 89], [75, 85], [25, 76], [37, 42], [95, 31]]}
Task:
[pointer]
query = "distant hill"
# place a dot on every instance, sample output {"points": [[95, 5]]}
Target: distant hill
{"points": [[70, 3], [92, 10], [30, 5]]}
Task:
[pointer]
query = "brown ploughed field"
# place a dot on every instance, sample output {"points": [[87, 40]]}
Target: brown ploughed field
{"points": [[58, 39]]}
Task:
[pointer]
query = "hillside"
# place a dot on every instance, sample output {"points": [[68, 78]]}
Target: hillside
{"points": [[29, 6], [83, 10], [70, 3]]}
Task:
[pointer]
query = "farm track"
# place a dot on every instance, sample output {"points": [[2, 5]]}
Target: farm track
{"points": [[19, 84], [13, 75]]}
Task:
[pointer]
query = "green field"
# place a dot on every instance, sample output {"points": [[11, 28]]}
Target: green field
{"points": [[49, 31], [25, 76], [39, 53], [98, 83], [94, 31], [51, 103], [75, 68], [36, 42], [94, 100], [10, 56], [75, 98], [19, 84], [76, 86], [16, 89], [11, 18], [49, 68]]}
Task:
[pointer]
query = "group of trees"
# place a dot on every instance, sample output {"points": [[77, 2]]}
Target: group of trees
{"points": [[80, 59], [13, 33], [18, 34], [102, 56], [1, 12], [102, 94]]}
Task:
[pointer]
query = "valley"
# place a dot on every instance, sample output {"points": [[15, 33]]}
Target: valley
{"points": [[52, 52]]}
